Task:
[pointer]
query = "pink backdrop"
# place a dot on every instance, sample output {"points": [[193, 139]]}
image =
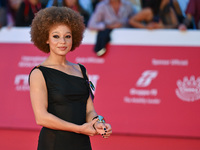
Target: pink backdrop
{"points": [[152, 90]]}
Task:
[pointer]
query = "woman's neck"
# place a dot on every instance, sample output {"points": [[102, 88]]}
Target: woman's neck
{"points": [[57, 61]]}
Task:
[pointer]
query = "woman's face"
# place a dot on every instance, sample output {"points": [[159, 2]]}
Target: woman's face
{"points": [[60, 39]]}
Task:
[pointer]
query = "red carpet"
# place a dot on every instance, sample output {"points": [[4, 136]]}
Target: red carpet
{"points": [[27, 140]]}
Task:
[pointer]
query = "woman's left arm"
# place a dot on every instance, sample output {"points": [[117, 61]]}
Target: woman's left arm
{"points": [[90, 111], [102, 128]]}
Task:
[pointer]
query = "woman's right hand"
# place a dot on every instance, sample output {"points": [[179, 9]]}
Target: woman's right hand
{"points": [[88, 129]]}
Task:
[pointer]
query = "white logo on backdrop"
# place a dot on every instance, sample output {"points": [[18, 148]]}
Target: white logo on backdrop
{"points": [[146, 78], [90, 60], [21, 82], [170, 62], [144, 96], [188, 89], [143, 92], [31, 61]]}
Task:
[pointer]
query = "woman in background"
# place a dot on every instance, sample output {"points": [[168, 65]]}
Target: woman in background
{"points": [[27, 11], [156, 15]]}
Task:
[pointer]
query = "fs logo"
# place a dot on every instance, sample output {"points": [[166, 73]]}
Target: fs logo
{"points": [[146, 78], [21, 82]]}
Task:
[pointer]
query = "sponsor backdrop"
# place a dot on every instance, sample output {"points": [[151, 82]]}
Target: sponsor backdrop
{"points": [[140, 89]]}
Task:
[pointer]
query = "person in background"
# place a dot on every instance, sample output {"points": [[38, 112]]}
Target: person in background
{"points": [[108, 15], [73, 4], [15, 4], [13, 7], [177, 9], [156, 15], [60, 92], [27, 11], [86, 5], [50, 3], [6, 14], [144, 3], [3, 13], [44, 2], [94, 3], [136, 5], [183, 5], [192, 19]]}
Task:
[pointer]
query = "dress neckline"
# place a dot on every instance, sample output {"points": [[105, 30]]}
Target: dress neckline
{"points": [[61, 72]]}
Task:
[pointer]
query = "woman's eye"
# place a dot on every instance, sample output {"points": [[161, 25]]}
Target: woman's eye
{"points": [[56, 36], [68, 36]]}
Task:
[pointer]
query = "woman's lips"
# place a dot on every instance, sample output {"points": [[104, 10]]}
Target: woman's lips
{"points": [[62, 48]]}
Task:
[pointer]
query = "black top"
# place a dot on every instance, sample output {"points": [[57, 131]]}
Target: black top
{"points": [[67, 99]]}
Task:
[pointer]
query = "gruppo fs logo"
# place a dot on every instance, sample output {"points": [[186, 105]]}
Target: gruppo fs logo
{"points": [[146, 78], [188, 89], [144, 94]]}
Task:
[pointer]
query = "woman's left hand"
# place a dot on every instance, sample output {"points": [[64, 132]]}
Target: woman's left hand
{"points": [[103, 128]]}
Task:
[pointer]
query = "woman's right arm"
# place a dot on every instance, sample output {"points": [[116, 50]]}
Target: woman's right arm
{"points": [[38, 95]]}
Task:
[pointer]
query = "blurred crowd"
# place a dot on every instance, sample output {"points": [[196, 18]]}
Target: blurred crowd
{"points": [[150, 14], [106, 15]]}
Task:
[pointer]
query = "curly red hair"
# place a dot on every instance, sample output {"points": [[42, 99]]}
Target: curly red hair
{"points": [[48, 17]]}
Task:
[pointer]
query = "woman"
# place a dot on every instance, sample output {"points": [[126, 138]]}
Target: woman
{"points": [[156, 15], [59, 89], [27, 11]]}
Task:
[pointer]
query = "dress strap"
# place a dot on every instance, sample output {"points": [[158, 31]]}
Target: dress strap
{"points": [[83, 69], [90, 84]]}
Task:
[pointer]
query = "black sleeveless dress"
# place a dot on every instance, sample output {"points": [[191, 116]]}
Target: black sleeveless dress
{"points": [[67, 99]]}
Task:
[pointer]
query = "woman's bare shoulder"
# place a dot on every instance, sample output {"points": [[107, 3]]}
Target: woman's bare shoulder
{"points": [[35, 72], [36, 76]]}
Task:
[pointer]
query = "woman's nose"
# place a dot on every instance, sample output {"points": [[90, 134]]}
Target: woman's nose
{"points": [[62, 40]]}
